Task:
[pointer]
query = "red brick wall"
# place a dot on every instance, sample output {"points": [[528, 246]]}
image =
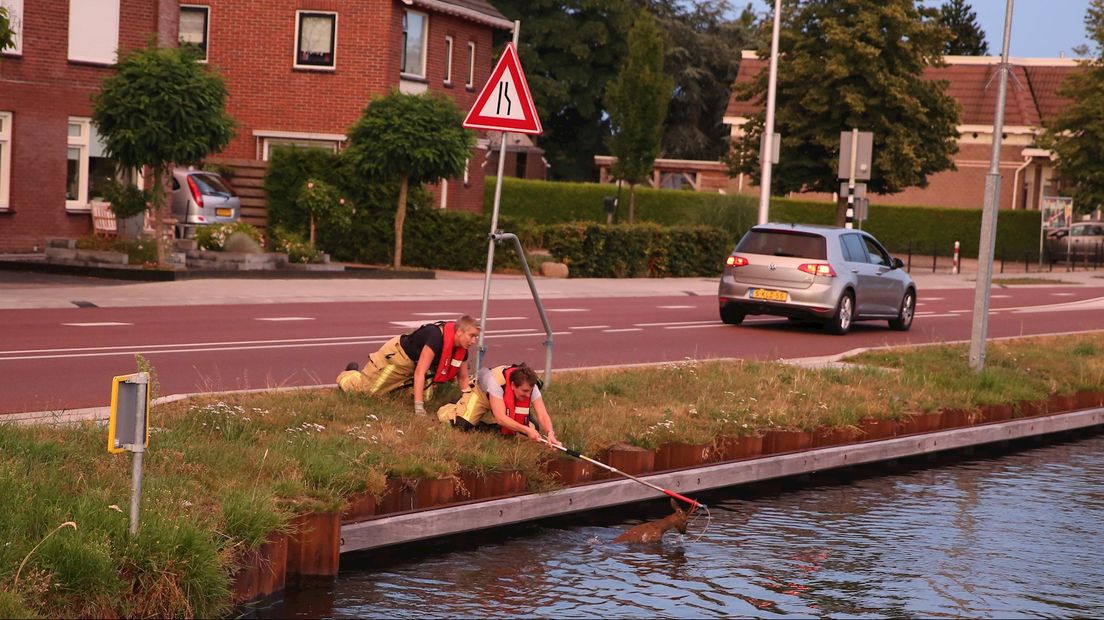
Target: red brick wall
{"points": [[42, 89]]}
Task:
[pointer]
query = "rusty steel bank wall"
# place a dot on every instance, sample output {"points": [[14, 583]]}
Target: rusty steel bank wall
{"points": [[430, 509]]}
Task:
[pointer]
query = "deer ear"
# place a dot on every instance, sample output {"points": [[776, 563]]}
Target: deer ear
{"points": [[675, 505]]}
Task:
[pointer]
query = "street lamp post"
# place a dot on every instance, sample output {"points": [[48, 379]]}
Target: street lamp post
{"points": [[767, 143]]}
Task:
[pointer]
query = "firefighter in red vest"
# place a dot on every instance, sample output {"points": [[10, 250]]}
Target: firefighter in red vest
{"points": [[434, 353], [504, 398]]}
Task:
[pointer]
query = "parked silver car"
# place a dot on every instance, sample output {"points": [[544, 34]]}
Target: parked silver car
{"points": [[1081, 241], [200, 198], [835, 276]]}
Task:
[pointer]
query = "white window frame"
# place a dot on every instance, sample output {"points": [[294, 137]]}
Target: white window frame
{"points": [[448, 60], [94, 31], [15, 16], [421, 74], [267, 139], [299, 15], [206, 49], [80, 142], [471, 65], [5, 159]]}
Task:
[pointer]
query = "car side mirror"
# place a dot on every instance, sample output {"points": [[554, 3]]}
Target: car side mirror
{"points": [[898, 263]]}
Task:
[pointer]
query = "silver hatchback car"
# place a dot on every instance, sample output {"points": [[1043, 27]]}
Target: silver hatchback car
{"points": [[200, 198], [835, 276]]}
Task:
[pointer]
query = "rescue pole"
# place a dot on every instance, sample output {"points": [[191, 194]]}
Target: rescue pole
{"points": [[682, 498]]}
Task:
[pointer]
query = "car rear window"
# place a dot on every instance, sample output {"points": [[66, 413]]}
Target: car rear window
{"points": [[211, 185], [784, 243]]}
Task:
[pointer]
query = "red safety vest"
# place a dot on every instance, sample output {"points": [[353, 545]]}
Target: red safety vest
{"points": [[516, 409], [452, 357]]}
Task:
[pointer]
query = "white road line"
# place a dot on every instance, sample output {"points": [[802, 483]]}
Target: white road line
{"points": [[933, 299], [694, 326], [448, 314], [104, 324], [567, 309], [934, 316], [147, 347], [416, 324], [1000, 296], [676, 307], [285, 318], [590, 327], [672, 323], [1063, 294], [631, 329]]}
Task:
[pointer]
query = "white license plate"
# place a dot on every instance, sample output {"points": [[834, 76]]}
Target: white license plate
{"points": [[769, 295]]}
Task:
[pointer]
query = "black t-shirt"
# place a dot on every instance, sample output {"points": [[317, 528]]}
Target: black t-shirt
{"points": [[431, 336]]}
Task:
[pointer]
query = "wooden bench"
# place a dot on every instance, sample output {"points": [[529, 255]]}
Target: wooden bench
{"points": [[103, 219]]}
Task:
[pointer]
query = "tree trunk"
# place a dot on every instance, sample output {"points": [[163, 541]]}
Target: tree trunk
{"points": [[312, 231], [400, 217], [158, 219], [632, 203]]}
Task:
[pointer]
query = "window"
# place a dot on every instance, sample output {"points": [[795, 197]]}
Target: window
{"points": [[88, 165], [471, 64], [315, 40], [269, 140], [413, 43], [448, 60], [875, 253], [5, 158], [194, 22], [853, 251], [93, 31], [271, 144], [15, 20], [521, 162], [783, 243]]}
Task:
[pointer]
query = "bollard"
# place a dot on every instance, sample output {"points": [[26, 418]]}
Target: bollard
{"points": [[954, 261]]}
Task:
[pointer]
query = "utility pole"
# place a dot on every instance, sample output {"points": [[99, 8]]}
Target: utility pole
{"points": [[766, 148], [980, 326]]}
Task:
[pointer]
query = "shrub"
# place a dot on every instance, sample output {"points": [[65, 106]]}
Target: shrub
{"points": [[293, 244], [289, 169], [126, 199], [215, 236], [601, 251]]}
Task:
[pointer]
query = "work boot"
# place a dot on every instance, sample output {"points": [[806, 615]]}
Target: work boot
{"points": [[352, 366]]}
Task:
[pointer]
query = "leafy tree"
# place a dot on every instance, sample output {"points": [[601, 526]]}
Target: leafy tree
{"points": [[846, 64], [703, 56], [161, 108], [1077, 133], [571, 50], [7, 35], [967, 37], [637, 103], [411, 140], [323, 203]]}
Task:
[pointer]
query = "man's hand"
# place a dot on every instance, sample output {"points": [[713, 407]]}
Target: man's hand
{"points": [[419, 408], [552, 438], [533, 433]]}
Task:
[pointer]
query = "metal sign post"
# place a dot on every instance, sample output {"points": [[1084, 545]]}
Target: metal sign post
{"points": [[128, 430], [856, 152]]}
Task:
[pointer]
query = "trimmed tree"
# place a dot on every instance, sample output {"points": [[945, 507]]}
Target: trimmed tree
{"points": [[1077, 134], [161, 108], [848, 64], [325, 204], [967, 37], [408, 140], [637, 104]]}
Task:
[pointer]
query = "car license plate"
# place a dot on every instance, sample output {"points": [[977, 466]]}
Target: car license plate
{"points": [[224, 212], [769, 295]]}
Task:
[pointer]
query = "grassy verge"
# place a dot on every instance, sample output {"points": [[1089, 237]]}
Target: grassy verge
{"points": [[223, 472]]}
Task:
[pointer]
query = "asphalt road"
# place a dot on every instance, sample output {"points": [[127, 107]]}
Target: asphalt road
{"points": [[54, 359]]}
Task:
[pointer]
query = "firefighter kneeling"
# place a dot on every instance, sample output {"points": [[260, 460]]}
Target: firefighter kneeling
{"points": [[501, 399], [433, 353]]}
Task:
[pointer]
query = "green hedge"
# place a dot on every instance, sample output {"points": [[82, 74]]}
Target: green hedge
{"points": [[643, 250], [923, 229]]}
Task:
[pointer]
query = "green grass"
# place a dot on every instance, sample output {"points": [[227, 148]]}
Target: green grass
{"points": [[1023, 281], [224, 471]]}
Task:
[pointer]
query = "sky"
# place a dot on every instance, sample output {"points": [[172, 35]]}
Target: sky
{"points": [[1040, 28]]}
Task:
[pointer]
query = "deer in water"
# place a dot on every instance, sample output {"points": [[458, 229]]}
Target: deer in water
{"points": [[653, 531]]}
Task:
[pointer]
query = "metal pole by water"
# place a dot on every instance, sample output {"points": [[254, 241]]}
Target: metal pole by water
{"points": [[490, 238], [765, 161], [980, 326]]}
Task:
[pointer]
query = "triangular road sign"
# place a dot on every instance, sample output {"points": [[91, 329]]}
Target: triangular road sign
{"points": [[505, 104]]}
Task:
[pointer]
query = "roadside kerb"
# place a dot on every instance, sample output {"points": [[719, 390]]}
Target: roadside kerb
{"points": [[415, 526]]}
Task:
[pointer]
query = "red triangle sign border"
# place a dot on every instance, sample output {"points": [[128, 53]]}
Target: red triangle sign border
{"points": [[530, 124]]}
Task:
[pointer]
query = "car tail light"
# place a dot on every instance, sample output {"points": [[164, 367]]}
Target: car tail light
{"points": [[818, 269], [736, 261], [197, 196]]}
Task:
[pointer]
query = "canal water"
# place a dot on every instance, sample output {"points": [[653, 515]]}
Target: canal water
{"points": [[987, 534]]}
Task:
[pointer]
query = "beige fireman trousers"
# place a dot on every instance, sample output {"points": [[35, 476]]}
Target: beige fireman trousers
{"points": [[386, 370], [472, 409]]}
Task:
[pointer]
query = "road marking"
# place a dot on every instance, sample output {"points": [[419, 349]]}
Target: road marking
{"points": [[285, 318], [103, 324], [1000, 296], [590, 327], [567, 309], [417, 324], [630, 329], [933, 299], [450, 314], [694, 326], [1063, 294], [673, 323], [676, 307]]}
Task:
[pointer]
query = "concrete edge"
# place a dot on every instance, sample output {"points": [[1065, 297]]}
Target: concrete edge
{"points": [[415, 526]]}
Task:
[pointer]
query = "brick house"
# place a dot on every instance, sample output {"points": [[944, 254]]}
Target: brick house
{"points": [[298, 72], [1031, 102], [49, 152]]}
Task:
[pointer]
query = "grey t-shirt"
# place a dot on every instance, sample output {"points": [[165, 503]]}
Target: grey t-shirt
{"points": [[491, 388]]}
